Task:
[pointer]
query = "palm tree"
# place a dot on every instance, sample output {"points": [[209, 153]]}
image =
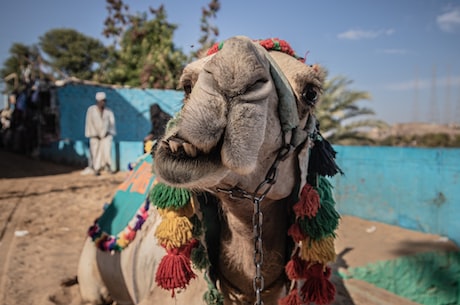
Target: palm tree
{"points": [[340, 115]]}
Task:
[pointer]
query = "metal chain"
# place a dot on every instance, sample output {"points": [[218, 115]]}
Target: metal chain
{"points": [[257, 217], [257, 222]]}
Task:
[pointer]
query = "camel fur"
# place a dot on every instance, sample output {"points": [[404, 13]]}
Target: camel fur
{"points": [[226, 137]]}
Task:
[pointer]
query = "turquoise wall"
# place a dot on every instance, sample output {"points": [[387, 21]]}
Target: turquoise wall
{"points": [[131, 107], [415, 188]]}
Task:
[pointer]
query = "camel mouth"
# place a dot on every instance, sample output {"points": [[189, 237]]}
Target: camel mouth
{"points": [[181, 163]]}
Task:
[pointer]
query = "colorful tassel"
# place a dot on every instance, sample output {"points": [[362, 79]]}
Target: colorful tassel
{"points": [[322, 251], [164, 196], [212, 296], [317, 287], [322, 158], [174, 232], [308, 203], [292, 298], [175, 270], [296, 233], [326, 219], [295, 268], [199, 257]]}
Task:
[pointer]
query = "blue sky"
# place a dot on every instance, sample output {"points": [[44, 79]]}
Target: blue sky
{"points": [[405, 53]]}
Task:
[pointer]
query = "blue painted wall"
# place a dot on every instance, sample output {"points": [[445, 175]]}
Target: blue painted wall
{"points": [[131, 108], [415, 188]]}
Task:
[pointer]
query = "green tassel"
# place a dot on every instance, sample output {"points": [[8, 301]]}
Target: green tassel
{"points": [[199, 257], [163, 196], [326, 220], [197, 226], [324, 189], [212, 296]]}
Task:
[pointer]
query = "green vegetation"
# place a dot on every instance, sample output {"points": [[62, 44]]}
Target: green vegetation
{"points": [[341, 116]]}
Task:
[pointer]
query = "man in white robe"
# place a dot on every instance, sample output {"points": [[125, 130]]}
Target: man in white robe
{"points": [[100, 129]]}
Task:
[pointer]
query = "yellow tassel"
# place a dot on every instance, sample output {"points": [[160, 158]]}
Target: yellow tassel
{"points": [[186, 211], [174, 232], [321, 251]]}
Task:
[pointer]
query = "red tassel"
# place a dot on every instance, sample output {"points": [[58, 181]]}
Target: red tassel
{"points": [[317, 287], [296, 268], [292, 298], [308, 203], [296, 233], [175, 268]]}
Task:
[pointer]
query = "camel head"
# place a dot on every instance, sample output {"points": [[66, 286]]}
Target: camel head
{"points": [[246, 131], [233, 122]]}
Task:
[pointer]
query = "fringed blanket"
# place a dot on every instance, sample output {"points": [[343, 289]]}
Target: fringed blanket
{"points": [[125, 215]]}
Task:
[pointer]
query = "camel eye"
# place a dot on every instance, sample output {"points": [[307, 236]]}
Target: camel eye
{"points": [[310, 95], [187, 88]]}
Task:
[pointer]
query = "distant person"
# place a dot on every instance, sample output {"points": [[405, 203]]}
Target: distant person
{"points": [[100, 129]]}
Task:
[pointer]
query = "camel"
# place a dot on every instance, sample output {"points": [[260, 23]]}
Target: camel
{"points": [[241, 145]]}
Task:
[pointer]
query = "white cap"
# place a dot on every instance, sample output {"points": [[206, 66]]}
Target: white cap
{"points": [[100, 96]]}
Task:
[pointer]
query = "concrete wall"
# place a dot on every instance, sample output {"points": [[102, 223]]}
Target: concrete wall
{"points": [[131, 108], [415, 188]]}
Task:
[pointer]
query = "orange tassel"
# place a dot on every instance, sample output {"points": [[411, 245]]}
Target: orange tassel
{"points": [[308, 203], [317, 287]]}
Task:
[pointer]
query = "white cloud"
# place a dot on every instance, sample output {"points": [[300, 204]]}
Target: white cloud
{"points": [[450, 20], [423, 84], [361, 34]]}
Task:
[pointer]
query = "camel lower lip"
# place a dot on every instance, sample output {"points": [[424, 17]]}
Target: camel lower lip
{"points": [[180, 169]]}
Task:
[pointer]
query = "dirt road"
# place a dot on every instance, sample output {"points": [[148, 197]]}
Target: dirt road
{"points": [[46, 208]]}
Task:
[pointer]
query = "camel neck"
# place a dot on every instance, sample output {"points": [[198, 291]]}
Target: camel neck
{"points": [[237, 243]]}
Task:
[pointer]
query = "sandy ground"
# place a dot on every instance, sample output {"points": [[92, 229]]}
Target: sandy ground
{"points": [[45, 210]]}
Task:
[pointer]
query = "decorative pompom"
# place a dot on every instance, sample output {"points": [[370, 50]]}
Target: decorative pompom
{"points": [[322, 158], [323, 224], [213, 297], [296, 267], [175, 270], [325, 190], [199, 257], [296, 233], [174, 232], [292, 298], [321, 251], [317, 287], [308, 203], [197, 226], [164, 196]]}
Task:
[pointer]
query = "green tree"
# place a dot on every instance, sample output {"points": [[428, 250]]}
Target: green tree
{"points": [[340, 115], [22, 66], [73, 53], [147, 56]]}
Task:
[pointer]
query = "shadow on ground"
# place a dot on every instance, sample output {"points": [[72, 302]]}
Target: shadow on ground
{"points": [[14, 165]]}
